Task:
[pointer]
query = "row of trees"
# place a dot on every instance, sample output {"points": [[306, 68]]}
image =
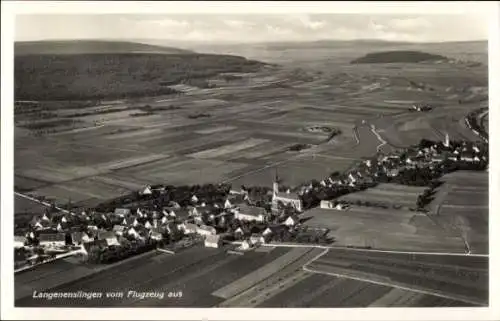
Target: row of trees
{"points": [[105, 255]]}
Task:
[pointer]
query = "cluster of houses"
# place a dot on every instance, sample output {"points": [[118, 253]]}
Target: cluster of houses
{"points": [[63, 231], [392, 165]]}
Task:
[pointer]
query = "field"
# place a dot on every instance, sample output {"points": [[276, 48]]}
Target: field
{"points": [[387, 194], [212, 278], [461, 206], [255, 117], [379, 228], [459, 278]]}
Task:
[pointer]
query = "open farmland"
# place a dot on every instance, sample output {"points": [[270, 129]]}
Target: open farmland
{"points": [[196, 272], [325, 291], [461, 205], [209, 278], [462, 278], [390, 195], [384, 229], [249, 129]]}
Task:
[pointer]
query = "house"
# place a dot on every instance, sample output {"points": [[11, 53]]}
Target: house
{"points": [[52, 239], [194, 199], [292, 221], [155, 235], [213, 241], [139, 213], [206, 230], [194, 211], [19, 241], [341, 206], [267, 232], [327, 204], [257, 239], [80, 237], [122, 212], [227, 204], [164, 220], [119, 229], [148, 225], [198, 220], [133, 232], [190, 228], [174, 204], [239, 232], [128, 221], [30, 236], [109, 236], [245, 245], [146, 190], [250, 213]]}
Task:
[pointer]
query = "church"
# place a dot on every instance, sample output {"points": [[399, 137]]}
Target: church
{"points": [[285, 197]]}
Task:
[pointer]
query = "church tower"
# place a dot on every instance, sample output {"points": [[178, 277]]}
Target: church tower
{"points": [[275, 184], [447, 140]]}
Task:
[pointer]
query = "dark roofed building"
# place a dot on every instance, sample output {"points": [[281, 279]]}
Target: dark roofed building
{"points": [[250, 213], [52, 239]]}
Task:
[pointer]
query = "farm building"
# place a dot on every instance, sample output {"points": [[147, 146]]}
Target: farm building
{"points": [[213, 241], [250, 213], [52, 239], [333, 205], [109, 236], [206, 230], [122, 212]]}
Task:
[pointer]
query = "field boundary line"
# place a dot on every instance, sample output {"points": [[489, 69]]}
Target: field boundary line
{"points": [[374, 251], [393, 285]]}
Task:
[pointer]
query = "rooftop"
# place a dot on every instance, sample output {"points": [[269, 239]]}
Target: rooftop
{"points": [[251, 210]]}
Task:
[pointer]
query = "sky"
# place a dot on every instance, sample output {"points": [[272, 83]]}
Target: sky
{"points": [[253, 27]]}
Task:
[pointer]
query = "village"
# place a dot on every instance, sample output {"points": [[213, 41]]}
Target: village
{"points": [[169, 218]]}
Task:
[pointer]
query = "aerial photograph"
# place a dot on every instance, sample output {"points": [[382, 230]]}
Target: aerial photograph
{"points": [[251, 160]]}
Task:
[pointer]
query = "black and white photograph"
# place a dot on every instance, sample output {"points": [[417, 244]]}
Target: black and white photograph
{"points": [[249, 160]]}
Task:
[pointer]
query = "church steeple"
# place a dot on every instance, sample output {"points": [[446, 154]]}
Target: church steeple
{"points": [[275, 183]]}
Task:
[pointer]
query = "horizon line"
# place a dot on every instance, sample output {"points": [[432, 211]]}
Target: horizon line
{"points": [[248, 42]]}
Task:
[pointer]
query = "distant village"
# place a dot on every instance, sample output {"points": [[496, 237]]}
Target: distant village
{"points": [[170, 218]]}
